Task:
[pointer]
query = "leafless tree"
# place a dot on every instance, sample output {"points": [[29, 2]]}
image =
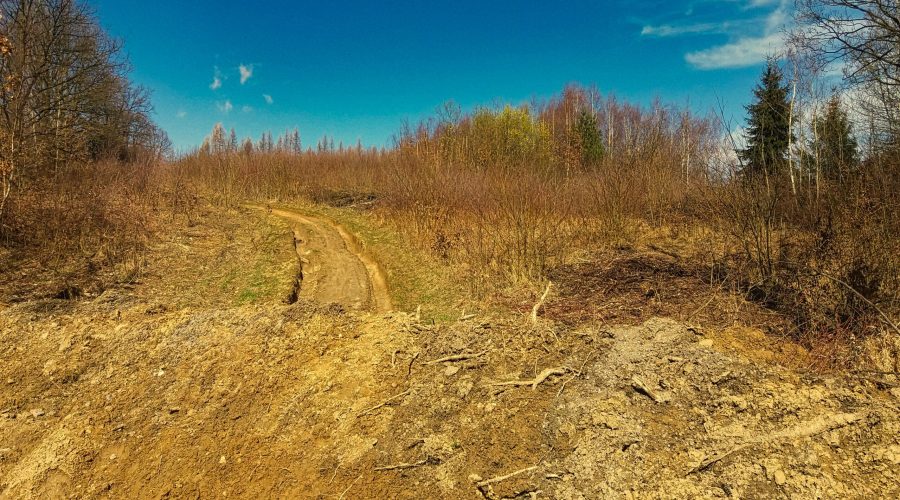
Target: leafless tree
{"points": [[863, 38], [65, 95]]}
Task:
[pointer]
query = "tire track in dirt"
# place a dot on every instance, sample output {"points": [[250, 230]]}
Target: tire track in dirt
{"points": [[335, 268]]}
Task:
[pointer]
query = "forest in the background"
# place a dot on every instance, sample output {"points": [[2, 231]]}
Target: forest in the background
{"points": [[796, 210]]}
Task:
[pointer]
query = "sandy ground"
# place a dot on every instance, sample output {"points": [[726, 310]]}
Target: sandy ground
{"points": [[172, 390]]}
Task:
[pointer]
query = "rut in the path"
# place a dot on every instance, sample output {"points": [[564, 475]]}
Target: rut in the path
{"points": [[334, 267]]}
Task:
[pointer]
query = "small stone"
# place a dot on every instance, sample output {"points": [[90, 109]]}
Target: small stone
{"points": [[779, 477], [451, 370], [475, 478], [705, 343], [10, 381], [37, 412], [113, 456], [464, 388], [222, 460]]}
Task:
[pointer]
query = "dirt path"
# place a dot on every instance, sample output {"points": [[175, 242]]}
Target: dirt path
{"points": [[335, 269]]}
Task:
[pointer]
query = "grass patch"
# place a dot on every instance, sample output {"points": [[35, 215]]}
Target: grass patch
{"points": [[414, 277]]}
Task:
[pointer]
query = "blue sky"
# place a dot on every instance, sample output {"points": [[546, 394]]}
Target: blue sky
{"points": [[357, 70]]}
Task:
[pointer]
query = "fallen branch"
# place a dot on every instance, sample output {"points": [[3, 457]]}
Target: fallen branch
{"points": [[537, 307], [577, 373], [803, 430], [385, 403], [536, 381], [481, 484], [640, 386], [411, 361], [348, 487], [456, 357]]}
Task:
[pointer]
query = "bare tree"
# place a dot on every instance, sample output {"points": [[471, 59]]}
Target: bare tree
{"points": [[863, 37], [65, 95]]}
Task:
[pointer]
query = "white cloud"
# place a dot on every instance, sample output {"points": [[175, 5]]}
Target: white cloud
{"points": [[747, 50], [225, 107], [181, 113], [761, 3], [246, 73], [665, 30], [741, 53], [268, 99], [217, 79], [247, 109]]}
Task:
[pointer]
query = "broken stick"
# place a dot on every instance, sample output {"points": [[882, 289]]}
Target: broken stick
{"points": [[537, 307], [488, 482], [385, 403], [536, 381], [803, 430], [456, 357]]}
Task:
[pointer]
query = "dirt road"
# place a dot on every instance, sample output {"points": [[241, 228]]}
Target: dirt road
{"points": [[335, 269]]}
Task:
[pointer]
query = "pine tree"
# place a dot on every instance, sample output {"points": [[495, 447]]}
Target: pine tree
{"points": [[589, 137], [296, 145], [836, 146], [768, 128]]}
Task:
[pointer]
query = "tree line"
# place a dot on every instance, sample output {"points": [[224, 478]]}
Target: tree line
{"points": [[66, 97]]}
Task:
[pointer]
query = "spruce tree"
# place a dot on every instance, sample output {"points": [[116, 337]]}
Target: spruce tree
{"points": [[589, 137], [768, 128], [836, 146]]}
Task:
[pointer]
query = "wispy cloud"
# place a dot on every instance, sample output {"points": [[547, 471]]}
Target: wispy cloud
{"points": [[268, 99], [747, 49], [217, 79], [246, 72], [738, 54], [762, 3], [181, 114], [225, 107], [247, 109], [666, 30]]}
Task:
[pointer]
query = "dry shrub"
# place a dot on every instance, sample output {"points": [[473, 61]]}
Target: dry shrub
{"points": [[81, 227], [826, 259]]}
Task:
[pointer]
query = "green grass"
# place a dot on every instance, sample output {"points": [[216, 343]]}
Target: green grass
{"points": [[267, 274]]}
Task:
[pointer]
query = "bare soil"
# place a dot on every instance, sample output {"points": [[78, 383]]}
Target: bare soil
{"points": [[333, 268], [198, 380]]}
